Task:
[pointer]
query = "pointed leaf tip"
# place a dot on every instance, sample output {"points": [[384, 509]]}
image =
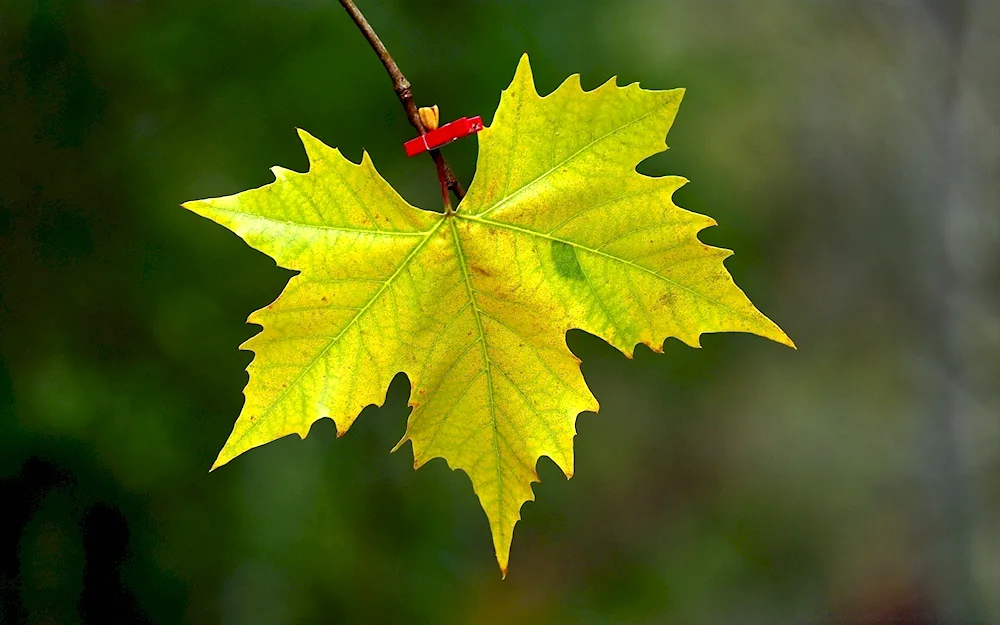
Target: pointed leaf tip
{"points": [[523, 73]]}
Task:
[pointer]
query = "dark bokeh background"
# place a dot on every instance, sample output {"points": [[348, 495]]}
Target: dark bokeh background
{"points": [[850, 151]]}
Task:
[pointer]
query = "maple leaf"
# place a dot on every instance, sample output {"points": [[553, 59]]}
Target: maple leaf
{"points": [[558, 231]]}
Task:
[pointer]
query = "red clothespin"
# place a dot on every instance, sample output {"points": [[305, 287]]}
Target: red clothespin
{"points": [[462, 127]]}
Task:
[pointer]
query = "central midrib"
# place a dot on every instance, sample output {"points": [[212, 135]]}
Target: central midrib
{"points": [[486, 363]]}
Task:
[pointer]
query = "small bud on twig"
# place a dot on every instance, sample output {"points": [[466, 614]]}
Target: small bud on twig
{"points": [[430, 116]]}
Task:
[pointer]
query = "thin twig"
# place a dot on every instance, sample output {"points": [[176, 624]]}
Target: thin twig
{"points": [[402, 88]]}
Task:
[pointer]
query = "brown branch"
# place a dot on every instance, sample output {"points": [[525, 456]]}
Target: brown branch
{"points": [[402, 88]]}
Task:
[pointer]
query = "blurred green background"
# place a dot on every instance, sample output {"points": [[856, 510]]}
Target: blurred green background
{"points": [[849, 149]]}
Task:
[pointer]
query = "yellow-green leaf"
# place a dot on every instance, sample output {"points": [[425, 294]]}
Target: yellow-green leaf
{"points": [[558, 231]]}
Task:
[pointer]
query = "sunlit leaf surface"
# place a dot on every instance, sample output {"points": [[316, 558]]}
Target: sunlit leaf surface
{"points": [[558, 231]]}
